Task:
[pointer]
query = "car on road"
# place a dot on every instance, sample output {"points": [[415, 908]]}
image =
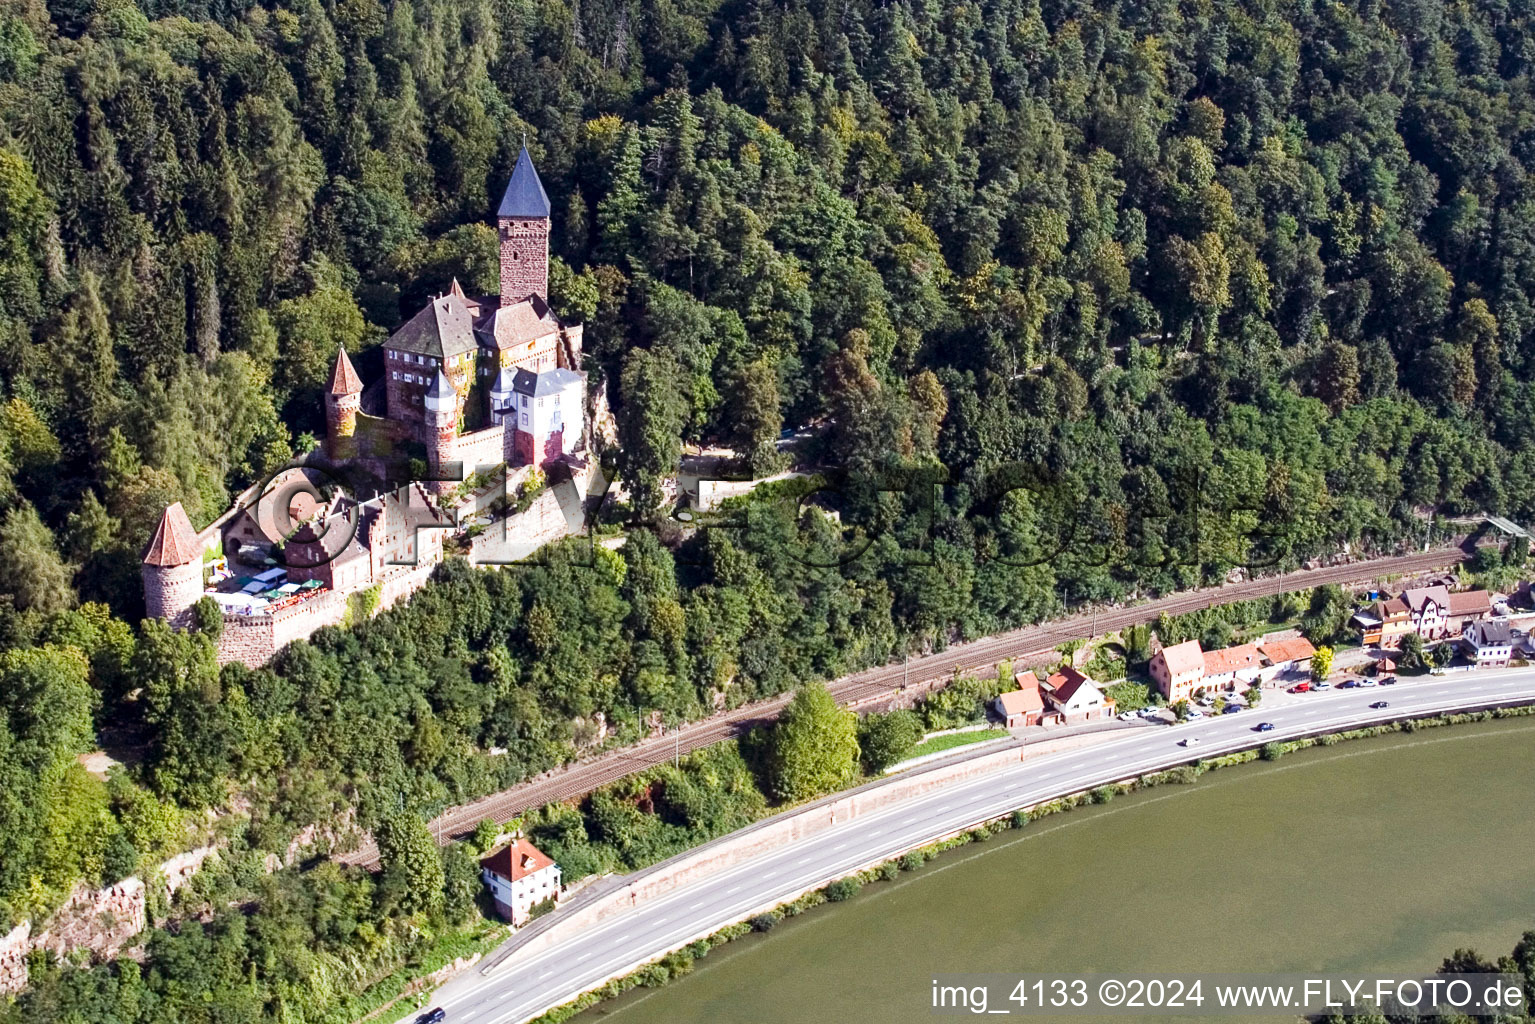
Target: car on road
{"points": [[1188, 741], [1380, 704], [1300, 688], [432, 1016], [1265, 726]]}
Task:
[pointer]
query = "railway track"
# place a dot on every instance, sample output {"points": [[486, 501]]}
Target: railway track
{"points": [[886, 682]]}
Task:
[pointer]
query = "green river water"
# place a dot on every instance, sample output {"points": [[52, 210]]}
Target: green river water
{"points": [[1377, 855]]}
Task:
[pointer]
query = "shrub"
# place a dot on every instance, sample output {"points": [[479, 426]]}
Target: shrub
{"points": [[763, 922], [889, 870], [911, 861], [1102, 795], [1271, 751], [1020, 819], [842, 889]]}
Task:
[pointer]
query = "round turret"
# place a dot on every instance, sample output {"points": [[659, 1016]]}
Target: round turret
{"points": [[172, 569]]}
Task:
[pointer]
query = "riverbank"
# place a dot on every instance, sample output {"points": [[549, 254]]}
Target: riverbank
{"points": [[659, 924], [677, 964]]}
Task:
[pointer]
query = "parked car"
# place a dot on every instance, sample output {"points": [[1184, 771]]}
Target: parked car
{"points": [[1367, 682], [1232, 709], [1265, 726], [1380, 704], [1300, 687], [1388, 681], [1126, 716], [1194, 713], [1188, 741], [1348, 684], [432, 1016], [1321, 686]]}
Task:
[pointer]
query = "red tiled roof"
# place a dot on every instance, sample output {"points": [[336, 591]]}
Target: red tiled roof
{"points": [[344, 379], [1065, 684], [1017, 702], [1296, 648], [1392, 606], [174, 542], [1230, 659], [1471, 602], [1183, 658], [517, 860]]}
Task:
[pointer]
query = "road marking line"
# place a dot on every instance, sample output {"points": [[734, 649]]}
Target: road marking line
{"points": [[732, 889], [583, 956]]}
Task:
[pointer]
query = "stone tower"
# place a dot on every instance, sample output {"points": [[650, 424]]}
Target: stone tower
{"points": [[343, 399], [172, 568], [522, 222], [441, 403]]}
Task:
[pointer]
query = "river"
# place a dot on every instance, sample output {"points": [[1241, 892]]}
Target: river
{"points": [[1377, 855]]}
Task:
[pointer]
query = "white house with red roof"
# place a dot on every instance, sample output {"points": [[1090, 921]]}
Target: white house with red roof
{"points": [[1076, 697], [519, 876]]}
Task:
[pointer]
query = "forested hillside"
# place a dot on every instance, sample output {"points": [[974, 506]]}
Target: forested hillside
{"points": [[1287, 248]]}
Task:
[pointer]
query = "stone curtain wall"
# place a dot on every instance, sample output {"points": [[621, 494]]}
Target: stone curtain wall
{"points": [[99, 920]]}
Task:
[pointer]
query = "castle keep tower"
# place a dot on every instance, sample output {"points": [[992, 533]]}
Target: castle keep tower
{"points": [[523, 225], [441, 404], [172, 568], [342, 401]]}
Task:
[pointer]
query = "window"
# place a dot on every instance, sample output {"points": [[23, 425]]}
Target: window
{"points": [[524, 419], [524, 401], [540, 403], [556, 401], [397, 375]]}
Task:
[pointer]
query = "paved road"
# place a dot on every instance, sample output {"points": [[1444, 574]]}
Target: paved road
{"points": [[528, 984], [1030, 641]]}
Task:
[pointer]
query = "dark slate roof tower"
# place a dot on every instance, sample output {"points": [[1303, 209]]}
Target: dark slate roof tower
{"points": [[522, 221]]}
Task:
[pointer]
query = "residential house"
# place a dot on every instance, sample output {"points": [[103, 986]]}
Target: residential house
{"points": [[1490, 644], [1178, 670], [1384, 623], [1431, 612], [519, 877], [1428, 608], [1231, 668], [1077, 697], [1024, 706], [1467, 607], [1290, 656]]}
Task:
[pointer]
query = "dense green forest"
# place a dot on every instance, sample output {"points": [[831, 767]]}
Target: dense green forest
{"points": [[1282, 249]]}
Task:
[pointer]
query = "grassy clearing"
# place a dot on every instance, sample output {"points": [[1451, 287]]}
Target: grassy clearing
{"points": [[955, 739]]}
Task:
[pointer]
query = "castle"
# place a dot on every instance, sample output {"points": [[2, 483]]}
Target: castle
{"points": [[469, 383]]}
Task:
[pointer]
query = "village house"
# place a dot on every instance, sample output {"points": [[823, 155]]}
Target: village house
{"points": [[1067, 697], [1184, 670], [1433, 613], [1231, 668], [1024, 706], [1178, 670], [1287, 657], [1489, 644], [1076, 697], [519, 876]]}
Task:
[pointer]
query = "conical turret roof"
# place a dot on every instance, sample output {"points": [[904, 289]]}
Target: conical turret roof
{"points": [[174, 542], [344, 379]]}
